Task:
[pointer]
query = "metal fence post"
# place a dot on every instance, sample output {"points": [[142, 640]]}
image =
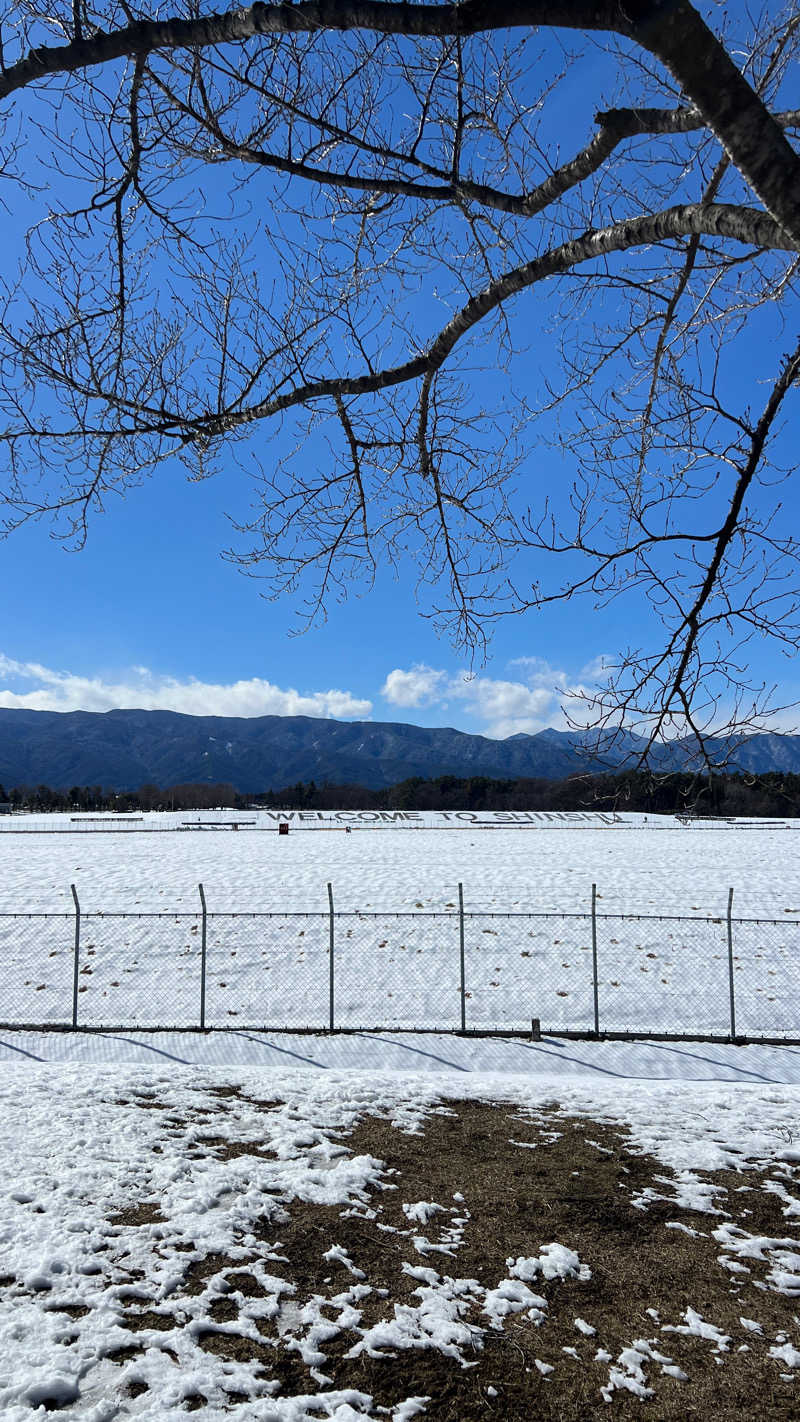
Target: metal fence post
{"points": [[203, 960], [730, 965], [330, 958], [594, 961], [461, 956], [76, 957]]}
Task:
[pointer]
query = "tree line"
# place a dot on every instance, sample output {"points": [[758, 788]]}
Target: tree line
{"points": [[775, 794], [43, 798]]}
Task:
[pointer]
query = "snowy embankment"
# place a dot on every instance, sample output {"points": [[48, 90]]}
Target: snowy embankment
{"points": [[287, 1246], [429, 1054]]}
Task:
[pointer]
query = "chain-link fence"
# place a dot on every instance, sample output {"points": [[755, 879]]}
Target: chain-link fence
{"points": [[456, 970]]}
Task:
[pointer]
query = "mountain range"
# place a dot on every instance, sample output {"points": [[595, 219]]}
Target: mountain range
{"points": [[122, 750]]}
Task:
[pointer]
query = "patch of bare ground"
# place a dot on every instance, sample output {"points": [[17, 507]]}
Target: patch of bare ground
{"points": [[145, 1103], [223, 1148], [145, 1213], [521, 1182], [138, 1321], [124, 1353], [576, 1186], [223, 1310], [201, 1270]]}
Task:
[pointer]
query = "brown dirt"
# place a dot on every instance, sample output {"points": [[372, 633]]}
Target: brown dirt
{"points": [[137, 1322], [223, 1148], [135, 1215], [197, 1273], [518, 1200], [577, 1186]]}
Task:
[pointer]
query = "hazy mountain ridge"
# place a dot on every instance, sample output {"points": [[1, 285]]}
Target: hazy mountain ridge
{"points": [[125, 749]]}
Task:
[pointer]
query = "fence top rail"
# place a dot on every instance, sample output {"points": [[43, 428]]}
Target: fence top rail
{"points": [[397, 913], [37, 913], [175, 915], [197, 913], [697, 918]]}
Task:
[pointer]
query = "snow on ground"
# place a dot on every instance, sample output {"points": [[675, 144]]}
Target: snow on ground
{"points": [[646, 865], [213, 1240], [302, 1226], [397, 948], [428, 1053]]}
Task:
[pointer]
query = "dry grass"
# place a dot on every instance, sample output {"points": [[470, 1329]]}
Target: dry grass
{"points": [[577, 1185], [135, 1216]]}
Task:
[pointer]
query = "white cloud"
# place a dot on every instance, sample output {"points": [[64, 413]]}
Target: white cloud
{"points": [[508, 707], [147, 691], [420, 686], [598, 668], [534, 665], [505, 707]]}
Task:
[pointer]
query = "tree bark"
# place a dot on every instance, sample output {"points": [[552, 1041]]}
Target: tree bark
{"points": [[752, 138]]}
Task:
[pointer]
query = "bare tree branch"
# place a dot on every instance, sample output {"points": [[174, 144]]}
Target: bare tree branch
{"points": [[367, 233], [712, 219], [670, 29]]}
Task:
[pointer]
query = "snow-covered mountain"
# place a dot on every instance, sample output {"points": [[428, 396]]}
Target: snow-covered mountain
{"points": [[125, 749]]}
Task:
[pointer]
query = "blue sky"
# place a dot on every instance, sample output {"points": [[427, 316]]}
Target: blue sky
{"points": [[149, 614]]}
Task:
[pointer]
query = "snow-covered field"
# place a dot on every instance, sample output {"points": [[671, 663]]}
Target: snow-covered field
{"points": [[653, 866], [397, 944]]}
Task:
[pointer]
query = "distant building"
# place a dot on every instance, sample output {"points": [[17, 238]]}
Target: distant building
{"points": [[5, 807]]}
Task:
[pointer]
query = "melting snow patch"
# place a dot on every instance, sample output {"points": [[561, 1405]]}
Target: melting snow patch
{"points": [[336, 1252], [687, 1193], [512, 1296], [410, 1408], [556, 1261], [628, 1375], [781, 1254], [436, 1322], [685, 1229], [697, 1326], [786, 1354], [791, 1206], [422, 1211]]}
